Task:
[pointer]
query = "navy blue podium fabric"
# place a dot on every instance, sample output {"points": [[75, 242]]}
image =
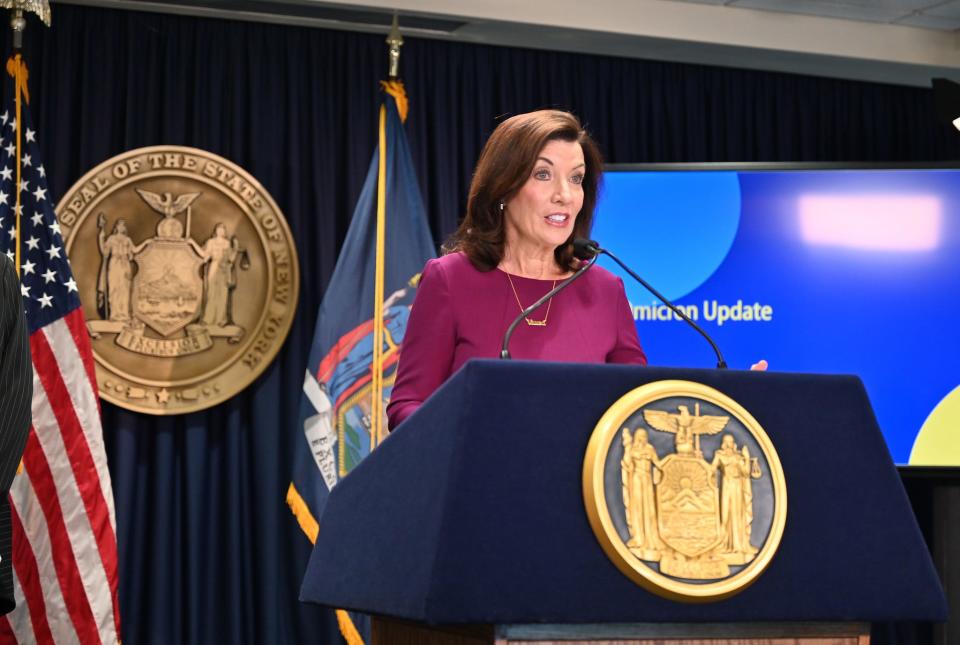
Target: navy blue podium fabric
{"points": [[472, 510]]}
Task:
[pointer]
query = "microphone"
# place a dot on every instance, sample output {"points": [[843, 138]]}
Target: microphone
{"points": [[591, 246], [585, 249], [581, 250]]}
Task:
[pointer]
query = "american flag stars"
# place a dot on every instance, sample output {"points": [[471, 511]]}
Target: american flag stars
{"points": [[49, 289]]}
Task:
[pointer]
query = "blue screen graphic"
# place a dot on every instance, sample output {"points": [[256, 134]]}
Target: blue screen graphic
{"points": [[825, 271]]}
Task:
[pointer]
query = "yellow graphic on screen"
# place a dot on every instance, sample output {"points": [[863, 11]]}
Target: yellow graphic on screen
{"points": [[938, 443]]}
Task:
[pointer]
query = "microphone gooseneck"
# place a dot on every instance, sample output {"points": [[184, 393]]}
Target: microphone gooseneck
{"points": [[721, 364], [505, 347]]}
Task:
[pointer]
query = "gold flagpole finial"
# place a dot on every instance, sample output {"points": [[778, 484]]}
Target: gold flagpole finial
{"points": [[18, 21], [395, 41]]}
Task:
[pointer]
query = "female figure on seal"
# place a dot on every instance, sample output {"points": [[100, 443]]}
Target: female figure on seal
{"points": [[221, 252], [637, 475], [116, 270], [736, 500]]}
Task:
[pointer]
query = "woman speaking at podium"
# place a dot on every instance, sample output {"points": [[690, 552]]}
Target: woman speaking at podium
{"points": [[533, 192]]}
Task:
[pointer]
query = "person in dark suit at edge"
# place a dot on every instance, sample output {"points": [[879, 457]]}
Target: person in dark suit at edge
{"points": [[16, 394]]}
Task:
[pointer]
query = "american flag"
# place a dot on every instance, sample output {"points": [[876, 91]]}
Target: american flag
{"points": [[64, 526]]}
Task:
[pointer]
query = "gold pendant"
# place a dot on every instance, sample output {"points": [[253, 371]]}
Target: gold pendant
{"points": [[530, 321]]}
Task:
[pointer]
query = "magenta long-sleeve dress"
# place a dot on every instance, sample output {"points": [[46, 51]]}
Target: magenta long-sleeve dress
{"points": [[461, 313]]}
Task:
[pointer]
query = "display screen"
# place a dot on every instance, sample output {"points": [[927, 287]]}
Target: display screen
{"points": [[848, 271]]}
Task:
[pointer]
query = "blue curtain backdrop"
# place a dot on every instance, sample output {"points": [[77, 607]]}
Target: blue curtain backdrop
{"points": [[208, 550]]}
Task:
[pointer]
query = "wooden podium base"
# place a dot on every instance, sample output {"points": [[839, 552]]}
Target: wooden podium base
{"points": [[389, 631]]}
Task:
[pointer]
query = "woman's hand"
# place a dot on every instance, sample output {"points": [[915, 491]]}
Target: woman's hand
{"points": [[759, 366]]}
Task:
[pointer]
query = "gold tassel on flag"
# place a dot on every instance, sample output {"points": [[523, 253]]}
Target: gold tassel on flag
{"points": [[394, 88]]}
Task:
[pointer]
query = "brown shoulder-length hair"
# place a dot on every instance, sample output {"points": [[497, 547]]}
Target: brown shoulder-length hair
{"points": [[505, 165]]}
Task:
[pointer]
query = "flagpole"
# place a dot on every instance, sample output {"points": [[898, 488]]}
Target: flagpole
{"points": [[377, 366], [17, 23], [377, 431], [18, 78], [18, 70]]}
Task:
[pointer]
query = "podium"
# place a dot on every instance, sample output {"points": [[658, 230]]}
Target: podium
{"points": [[468, 525]]}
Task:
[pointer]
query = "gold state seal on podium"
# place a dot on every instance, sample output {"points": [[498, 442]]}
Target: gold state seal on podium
{"points": [[188, 276], [684, 491]]}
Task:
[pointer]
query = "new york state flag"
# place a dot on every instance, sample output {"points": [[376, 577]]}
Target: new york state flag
{"points": [[338, 389]]}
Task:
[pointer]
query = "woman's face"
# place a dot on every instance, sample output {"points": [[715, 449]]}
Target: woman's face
{"points": [[542, 213]]}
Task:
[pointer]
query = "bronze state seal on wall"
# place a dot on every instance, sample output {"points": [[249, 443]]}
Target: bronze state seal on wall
{"points": [[187, 273], [684, 491]]}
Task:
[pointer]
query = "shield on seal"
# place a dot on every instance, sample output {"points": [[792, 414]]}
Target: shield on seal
{"points": [[688, 502], [167, 290]]}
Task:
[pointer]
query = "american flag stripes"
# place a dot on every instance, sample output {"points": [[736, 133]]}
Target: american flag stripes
{"points": [[64, 526]]}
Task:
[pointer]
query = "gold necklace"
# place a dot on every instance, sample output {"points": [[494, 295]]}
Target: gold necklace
{"points": [[530, 321]]}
